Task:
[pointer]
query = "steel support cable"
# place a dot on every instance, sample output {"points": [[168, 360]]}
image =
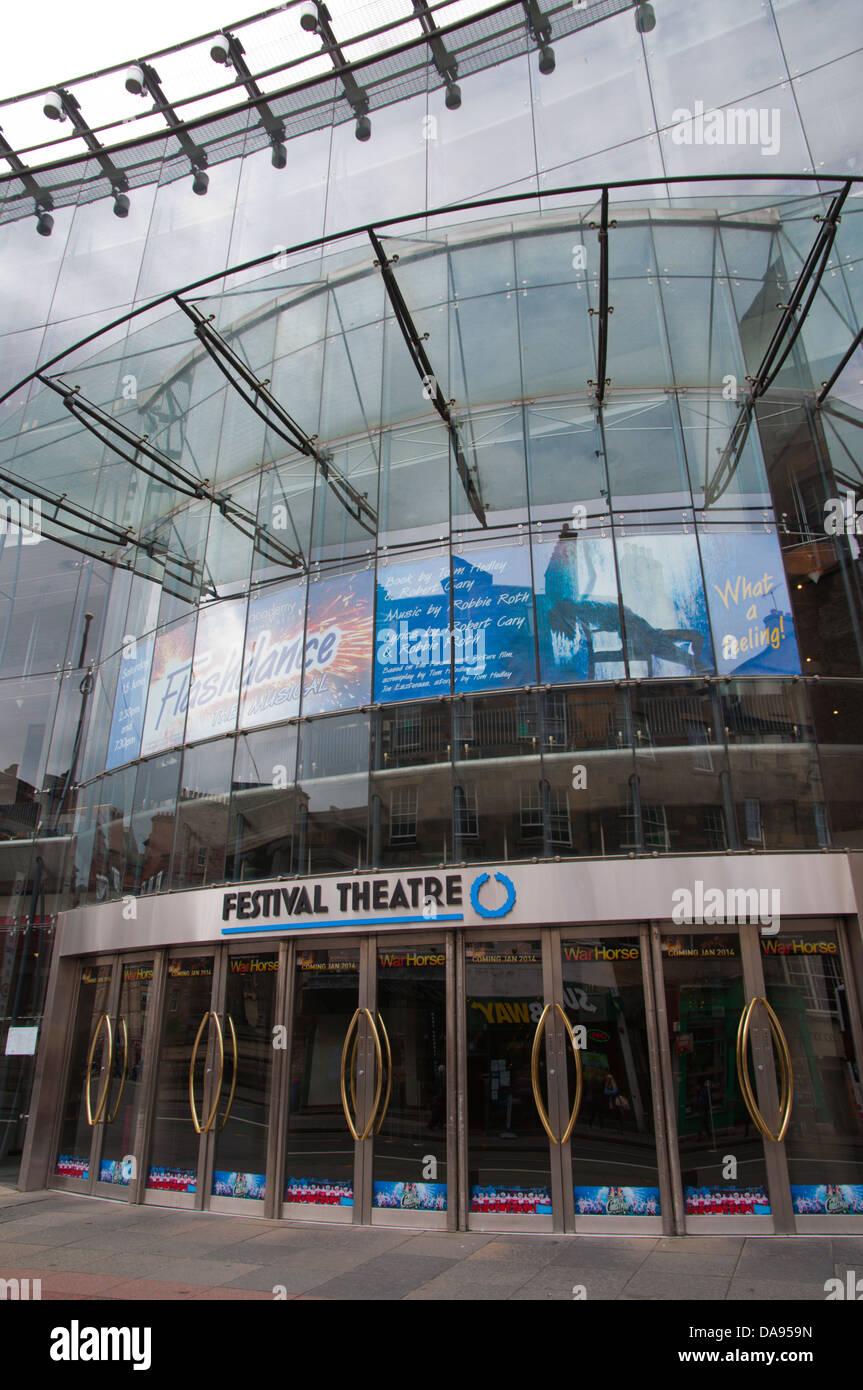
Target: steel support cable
{"points": [[778, 348], [423, 366], [178, 480], [228, 362]]}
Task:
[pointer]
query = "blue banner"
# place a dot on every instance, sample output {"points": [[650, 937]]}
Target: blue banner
{"points": [[750, 610], [130, 702], [414, 644], [493, 598], [664, 605], [578, 612]]}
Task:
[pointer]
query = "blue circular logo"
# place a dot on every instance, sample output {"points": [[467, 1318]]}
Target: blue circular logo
{"points": [[507, 906]]}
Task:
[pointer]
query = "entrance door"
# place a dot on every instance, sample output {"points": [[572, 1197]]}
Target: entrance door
{"points": [[817, 1016], [369, 1133], [561, 1070], [95, 1149], [727, 1088]]}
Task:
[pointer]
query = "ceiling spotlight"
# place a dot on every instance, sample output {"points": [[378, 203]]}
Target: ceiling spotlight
{"points": [[364, 128], [645, 17], [121, 205], [452, 99], [44, 224], [546, 60], [220, 52], [279, 156], [309, 17], [53, 106], [200, 183], [135, 80]]}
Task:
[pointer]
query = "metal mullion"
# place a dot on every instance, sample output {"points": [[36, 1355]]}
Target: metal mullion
{"points": [[112, 1009], [767, 1091], [654, 1058], [677, 1217], [280, 1085], [457, 1090], [149, 1066], [553, 1057], [451, 948], [560, 1111]]}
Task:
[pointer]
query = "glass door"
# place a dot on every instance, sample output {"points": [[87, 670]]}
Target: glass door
{"points": [[116, 1167], [241, 1134], [818, 1029], [610, 1158], [515, 1072], [721, 1081], [191, 1067], [91, 1052], [407, 1156], [330, 1059]]}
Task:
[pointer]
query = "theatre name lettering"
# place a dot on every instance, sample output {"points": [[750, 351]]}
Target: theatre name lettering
{"points": [[425, 893]]}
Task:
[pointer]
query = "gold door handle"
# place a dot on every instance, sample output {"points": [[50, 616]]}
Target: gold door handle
{"points": [[534, 1073], [95, 1119], [368, 1129], [234, 1078], [113, 1115], [389, 1076], [787, 1083], [351, 1026], [199, 1128], [579, 1075]]}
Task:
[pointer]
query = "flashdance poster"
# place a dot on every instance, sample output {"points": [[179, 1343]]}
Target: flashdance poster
{"points": [[169, 688], [337, 662], [273, 666], [130, 702], [216, 670], [664, 605], [414, 643], [750, 610], [577, 610], [492, 596]]}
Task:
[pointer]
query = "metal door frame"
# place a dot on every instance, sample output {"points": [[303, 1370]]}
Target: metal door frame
{"points": [[779, 1220], [62, 1181], [616, 1225], [184, 1201]]}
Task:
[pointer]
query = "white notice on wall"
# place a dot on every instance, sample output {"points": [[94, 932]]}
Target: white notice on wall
{"points": [[21, 1042]]}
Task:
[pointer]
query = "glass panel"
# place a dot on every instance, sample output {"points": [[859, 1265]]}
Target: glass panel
{"points": [[319, 1163], [614, 1169], [664, 604], [509, 1168], [240, 1161], [704, 1001], [805, 980], [263, 805], [151, 832], [76, 1134], [118, 1143], [682, 769], [588, 773], [174, 1145], [333, 794], [837, 711], [411, 1005], [775, 779], [202, 813], [565, 463], [497, 796], [411, 798]]}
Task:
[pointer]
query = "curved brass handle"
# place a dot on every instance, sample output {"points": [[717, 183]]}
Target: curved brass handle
{"points": [[787, 1084], [113, 1115], [368, 1129], [234, 1080], [212, 1115], [351, 1126], [534, 1073], [579, 1075], [199, 1128], [97, 1118], [389, 1077]]}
